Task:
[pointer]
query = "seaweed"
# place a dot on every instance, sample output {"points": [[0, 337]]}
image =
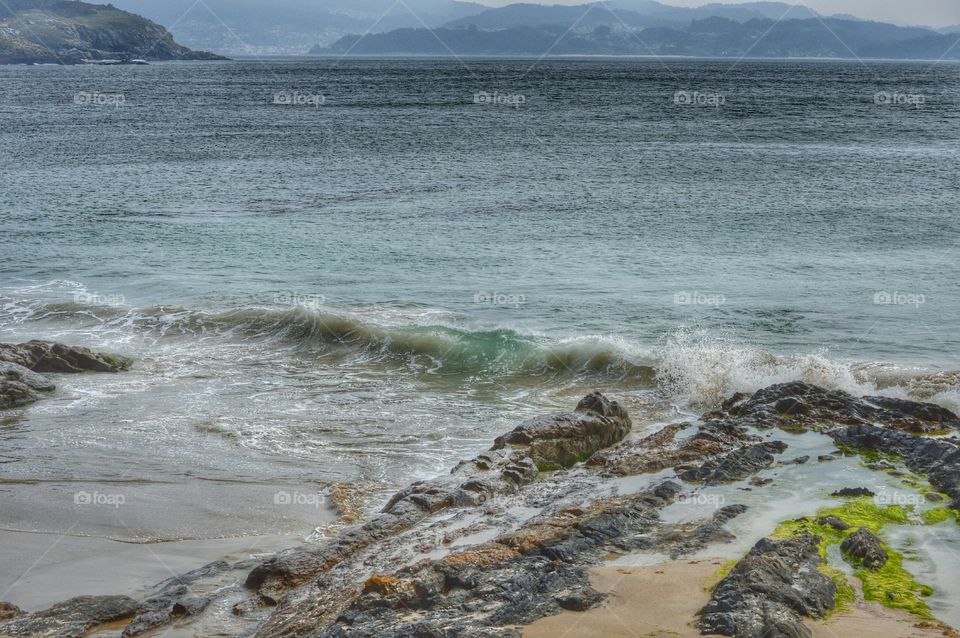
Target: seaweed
{"points": [[891, 585]]}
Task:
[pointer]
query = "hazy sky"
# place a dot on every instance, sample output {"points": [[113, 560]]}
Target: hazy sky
{"points": [[928, 12]]}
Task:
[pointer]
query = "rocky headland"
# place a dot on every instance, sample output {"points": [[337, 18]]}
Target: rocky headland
{"points": [[69, 32]]}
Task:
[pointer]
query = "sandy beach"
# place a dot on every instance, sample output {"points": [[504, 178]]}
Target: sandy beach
{"points": [[661, 601]]}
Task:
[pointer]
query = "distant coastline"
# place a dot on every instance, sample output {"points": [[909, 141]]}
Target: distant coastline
{"points": [[714, 37]]}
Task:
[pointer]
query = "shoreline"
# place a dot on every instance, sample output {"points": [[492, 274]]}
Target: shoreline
{"points": [[42, 569], [550, 520], [680, 589]]}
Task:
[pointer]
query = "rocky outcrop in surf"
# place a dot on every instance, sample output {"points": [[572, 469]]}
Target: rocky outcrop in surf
{"points": [[719, 452], [801, 406], [508, 537], [47, 356], [552, 441], [73, 618], [20, 386], [20, 366]]}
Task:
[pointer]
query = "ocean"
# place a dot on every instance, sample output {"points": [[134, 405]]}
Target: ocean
{"points": [[360, 271]]}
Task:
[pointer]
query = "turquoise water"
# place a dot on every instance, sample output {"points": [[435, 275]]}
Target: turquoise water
{"points": [[368, 289]]}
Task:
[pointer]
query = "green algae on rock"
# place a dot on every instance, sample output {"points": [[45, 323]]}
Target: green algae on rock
{"points": [[891, 585]]}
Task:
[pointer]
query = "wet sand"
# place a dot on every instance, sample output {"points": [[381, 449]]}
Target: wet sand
{"points": [[43, 569], [661, 601]]}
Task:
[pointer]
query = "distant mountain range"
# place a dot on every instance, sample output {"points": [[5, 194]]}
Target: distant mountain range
{"points": [[61, 32], [643, 27], [289, 27]]}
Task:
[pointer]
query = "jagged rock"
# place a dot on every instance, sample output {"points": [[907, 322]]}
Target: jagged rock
{"points": [[174, 600], [687, 539], [939, 458], [515, 579], [14, 394], [9, 611], [35, 381], [768, 592], [919, 417], [734, 465], [503, 470], [20, 386], [853, 492], [800, 460], [471, 484], [799, 406], [521, 576], [568, 438], [44, 356], [720, 451], [866, 549], [72, 618], [834, 522]]}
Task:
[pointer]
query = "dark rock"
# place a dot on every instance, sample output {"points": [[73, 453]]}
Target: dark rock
{"points": [[35, 381], [559, 439], [866, 549], [686, 539], [471, 484], [799, 406], [918, 417], [660, 451], [768, 592], [174, 600], [757, 481], [834, 522], [852, 492], [14, 394], [732, 404], [800, 460], [520, 577], [939, 458], [20, 386], [568, 438], [735, 465], [44, 356], [826, 458], [72, 618]]}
